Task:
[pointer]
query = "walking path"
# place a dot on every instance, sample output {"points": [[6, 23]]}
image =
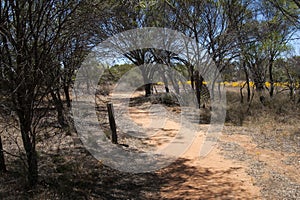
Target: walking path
{"points": [[192, 177]]}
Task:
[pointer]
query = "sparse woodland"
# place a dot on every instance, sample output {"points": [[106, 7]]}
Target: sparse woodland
{"points": [[253, 44]]}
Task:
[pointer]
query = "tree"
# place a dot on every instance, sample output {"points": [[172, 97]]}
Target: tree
{"points": [[187, 17], [207, 22], [29, 32], [77, 40], [131, 15], [262, 33], [291, 66], [239, 15], [277, 30]]}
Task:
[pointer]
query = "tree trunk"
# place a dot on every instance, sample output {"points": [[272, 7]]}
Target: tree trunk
{"points": [[28, 138], [292, 86], [197, 87], [259, 85], [201, 79], [212, 92], [67, 95], [59, 108], [148, 90], [271, 78], [167, 89], [165, 83], [292, 92], [175, 84], [192, 76], [241, 94], [247, 82], [32, 167], [2, 160]]}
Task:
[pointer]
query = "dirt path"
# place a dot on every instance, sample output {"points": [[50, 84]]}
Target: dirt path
{"points": [[245, 164], [192, 177]]}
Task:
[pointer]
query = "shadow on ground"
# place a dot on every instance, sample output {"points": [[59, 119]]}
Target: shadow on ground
{"points": [[76, 174]]}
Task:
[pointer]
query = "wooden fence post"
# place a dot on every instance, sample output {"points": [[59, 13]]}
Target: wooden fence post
{"points": [[112, 123]]}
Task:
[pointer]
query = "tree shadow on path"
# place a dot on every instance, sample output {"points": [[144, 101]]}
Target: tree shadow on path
{"points": [[78, 175]]}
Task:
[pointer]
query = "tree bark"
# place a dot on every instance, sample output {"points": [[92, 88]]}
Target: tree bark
{"points": [[28, 138], [59, 108], [67, 95], [241, 94], [148, 90], [192, 76], [247, 81], [175, 84], [259, 85], [32, 167], [165, 82], [197, 87], [271, 78], [201, 79], [248, 87], [2, 160], [291, 84]]}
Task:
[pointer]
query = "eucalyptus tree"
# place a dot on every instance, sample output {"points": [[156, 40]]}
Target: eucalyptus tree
{"points": [[187, 19], [239, 16], [132, 14], [262, 34], [277, 31], [291, 67], [209, 24]]}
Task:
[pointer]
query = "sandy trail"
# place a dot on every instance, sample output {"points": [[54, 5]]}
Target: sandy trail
{"points": [[192, 177]]}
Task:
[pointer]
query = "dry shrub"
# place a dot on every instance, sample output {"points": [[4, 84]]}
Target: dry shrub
{"points": [[279, 117], [279, 109], [104, 89], [236, 112]]}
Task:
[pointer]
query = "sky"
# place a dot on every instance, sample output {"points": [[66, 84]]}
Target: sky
{"points": [[296, 43]]}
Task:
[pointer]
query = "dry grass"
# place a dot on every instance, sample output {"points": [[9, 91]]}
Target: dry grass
{"points": [[274, 124]]}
